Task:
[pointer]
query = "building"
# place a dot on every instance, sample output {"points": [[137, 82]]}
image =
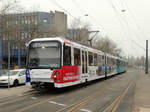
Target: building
{"points": [[58, 23], [20, 28]]}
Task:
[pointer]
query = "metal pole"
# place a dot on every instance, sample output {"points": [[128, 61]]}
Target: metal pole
{"points": [[9, 64], [146, 63]]}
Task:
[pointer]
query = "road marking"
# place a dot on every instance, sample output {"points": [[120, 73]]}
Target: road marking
{"points": [[85, 110], [57, 103], [34, 98], [35, 104]]}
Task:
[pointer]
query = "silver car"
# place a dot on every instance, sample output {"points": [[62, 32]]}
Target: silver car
{"points": [[14, 77]]}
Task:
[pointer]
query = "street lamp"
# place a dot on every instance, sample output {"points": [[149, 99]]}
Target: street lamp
{"points": [[86, 15], [9, 63]]}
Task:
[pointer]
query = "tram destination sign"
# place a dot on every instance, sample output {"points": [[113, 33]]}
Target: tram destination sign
{"points": [[43, 44]]}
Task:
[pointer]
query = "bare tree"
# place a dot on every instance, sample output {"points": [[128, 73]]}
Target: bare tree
{"points": [[8, 6], [76, 23], [8, 29], [8, 26], [107, 45], [80, 31], [137, 62]]}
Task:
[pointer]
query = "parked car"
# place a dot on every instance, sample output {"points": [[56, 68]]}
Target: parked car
{"points": [[14, 77], [3, 72]]}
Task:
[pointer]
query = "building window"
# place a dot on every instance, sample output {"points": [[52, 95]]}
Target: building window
{"points": [[7, 23], [26, 21], [22, 21], [16, 22], [77, 60], [35, 22], [22, 36], [4, 38], [53, 18], [26, 35], [45, 20], [67, 55], [29, 21]]}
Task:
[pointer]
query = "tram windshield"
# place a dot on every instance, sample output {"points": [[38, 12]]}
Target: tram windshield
{"points": [[44, 55]]}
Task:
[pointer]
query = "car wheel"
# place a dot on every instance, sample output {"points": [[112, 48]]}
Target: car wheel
{"points": [[16, 83]]}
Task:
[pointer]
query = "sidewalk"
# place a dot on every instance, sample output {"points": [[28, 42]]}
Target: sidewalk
{"points": [[142, 93]]}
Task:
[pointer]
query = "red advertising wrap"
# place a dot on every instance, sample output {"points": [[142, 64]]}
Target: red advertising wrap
{"points": [[66, 74]]}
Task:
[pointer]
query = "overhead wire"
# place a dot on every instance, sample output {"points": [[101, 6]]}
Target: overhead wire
{"points": [[124, 7], [83, 12], [62, 8], [119, 18], [78, 7], [134, 19], [129, 30], [58, 5], [91, 17], [128, 27]]}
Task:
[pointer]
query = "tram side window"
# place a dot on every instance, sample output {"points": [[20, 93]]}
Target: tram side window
{"points": [[108, 61], [83, 62], [99, 60], [118, 62], [95, 59], [90, 59], [77, 60], [103, 57], [67, 55], [86, 62], [103, 60], [114, 62]]}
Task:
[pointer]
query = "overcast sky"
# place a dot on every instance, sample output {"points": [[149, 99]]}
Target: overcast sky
{"points": [[129, 28]]}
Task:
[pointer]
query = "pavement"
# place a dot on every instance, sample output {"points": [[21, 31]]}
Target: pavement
{"points": [[142, 93]]}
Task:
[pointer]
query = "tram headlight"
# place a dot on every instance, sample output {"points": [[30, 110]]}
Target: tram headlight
{"points": [[56, 74]]}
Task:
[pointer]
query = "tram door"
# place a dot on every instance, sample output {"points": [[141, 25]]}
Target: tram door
{"points": [[84, 64]]}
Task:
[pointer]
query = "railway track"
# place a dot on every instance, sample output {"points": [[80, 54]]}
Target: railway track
{"points": [[110, 106]]}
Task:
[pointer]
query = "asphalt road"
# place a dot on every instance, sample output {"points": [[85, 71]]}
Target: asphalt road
{"points": [[114, 94]]}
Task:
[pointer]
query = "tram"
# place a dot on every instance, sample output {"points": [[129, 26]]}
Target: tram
{"points": [[61, 63]]}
